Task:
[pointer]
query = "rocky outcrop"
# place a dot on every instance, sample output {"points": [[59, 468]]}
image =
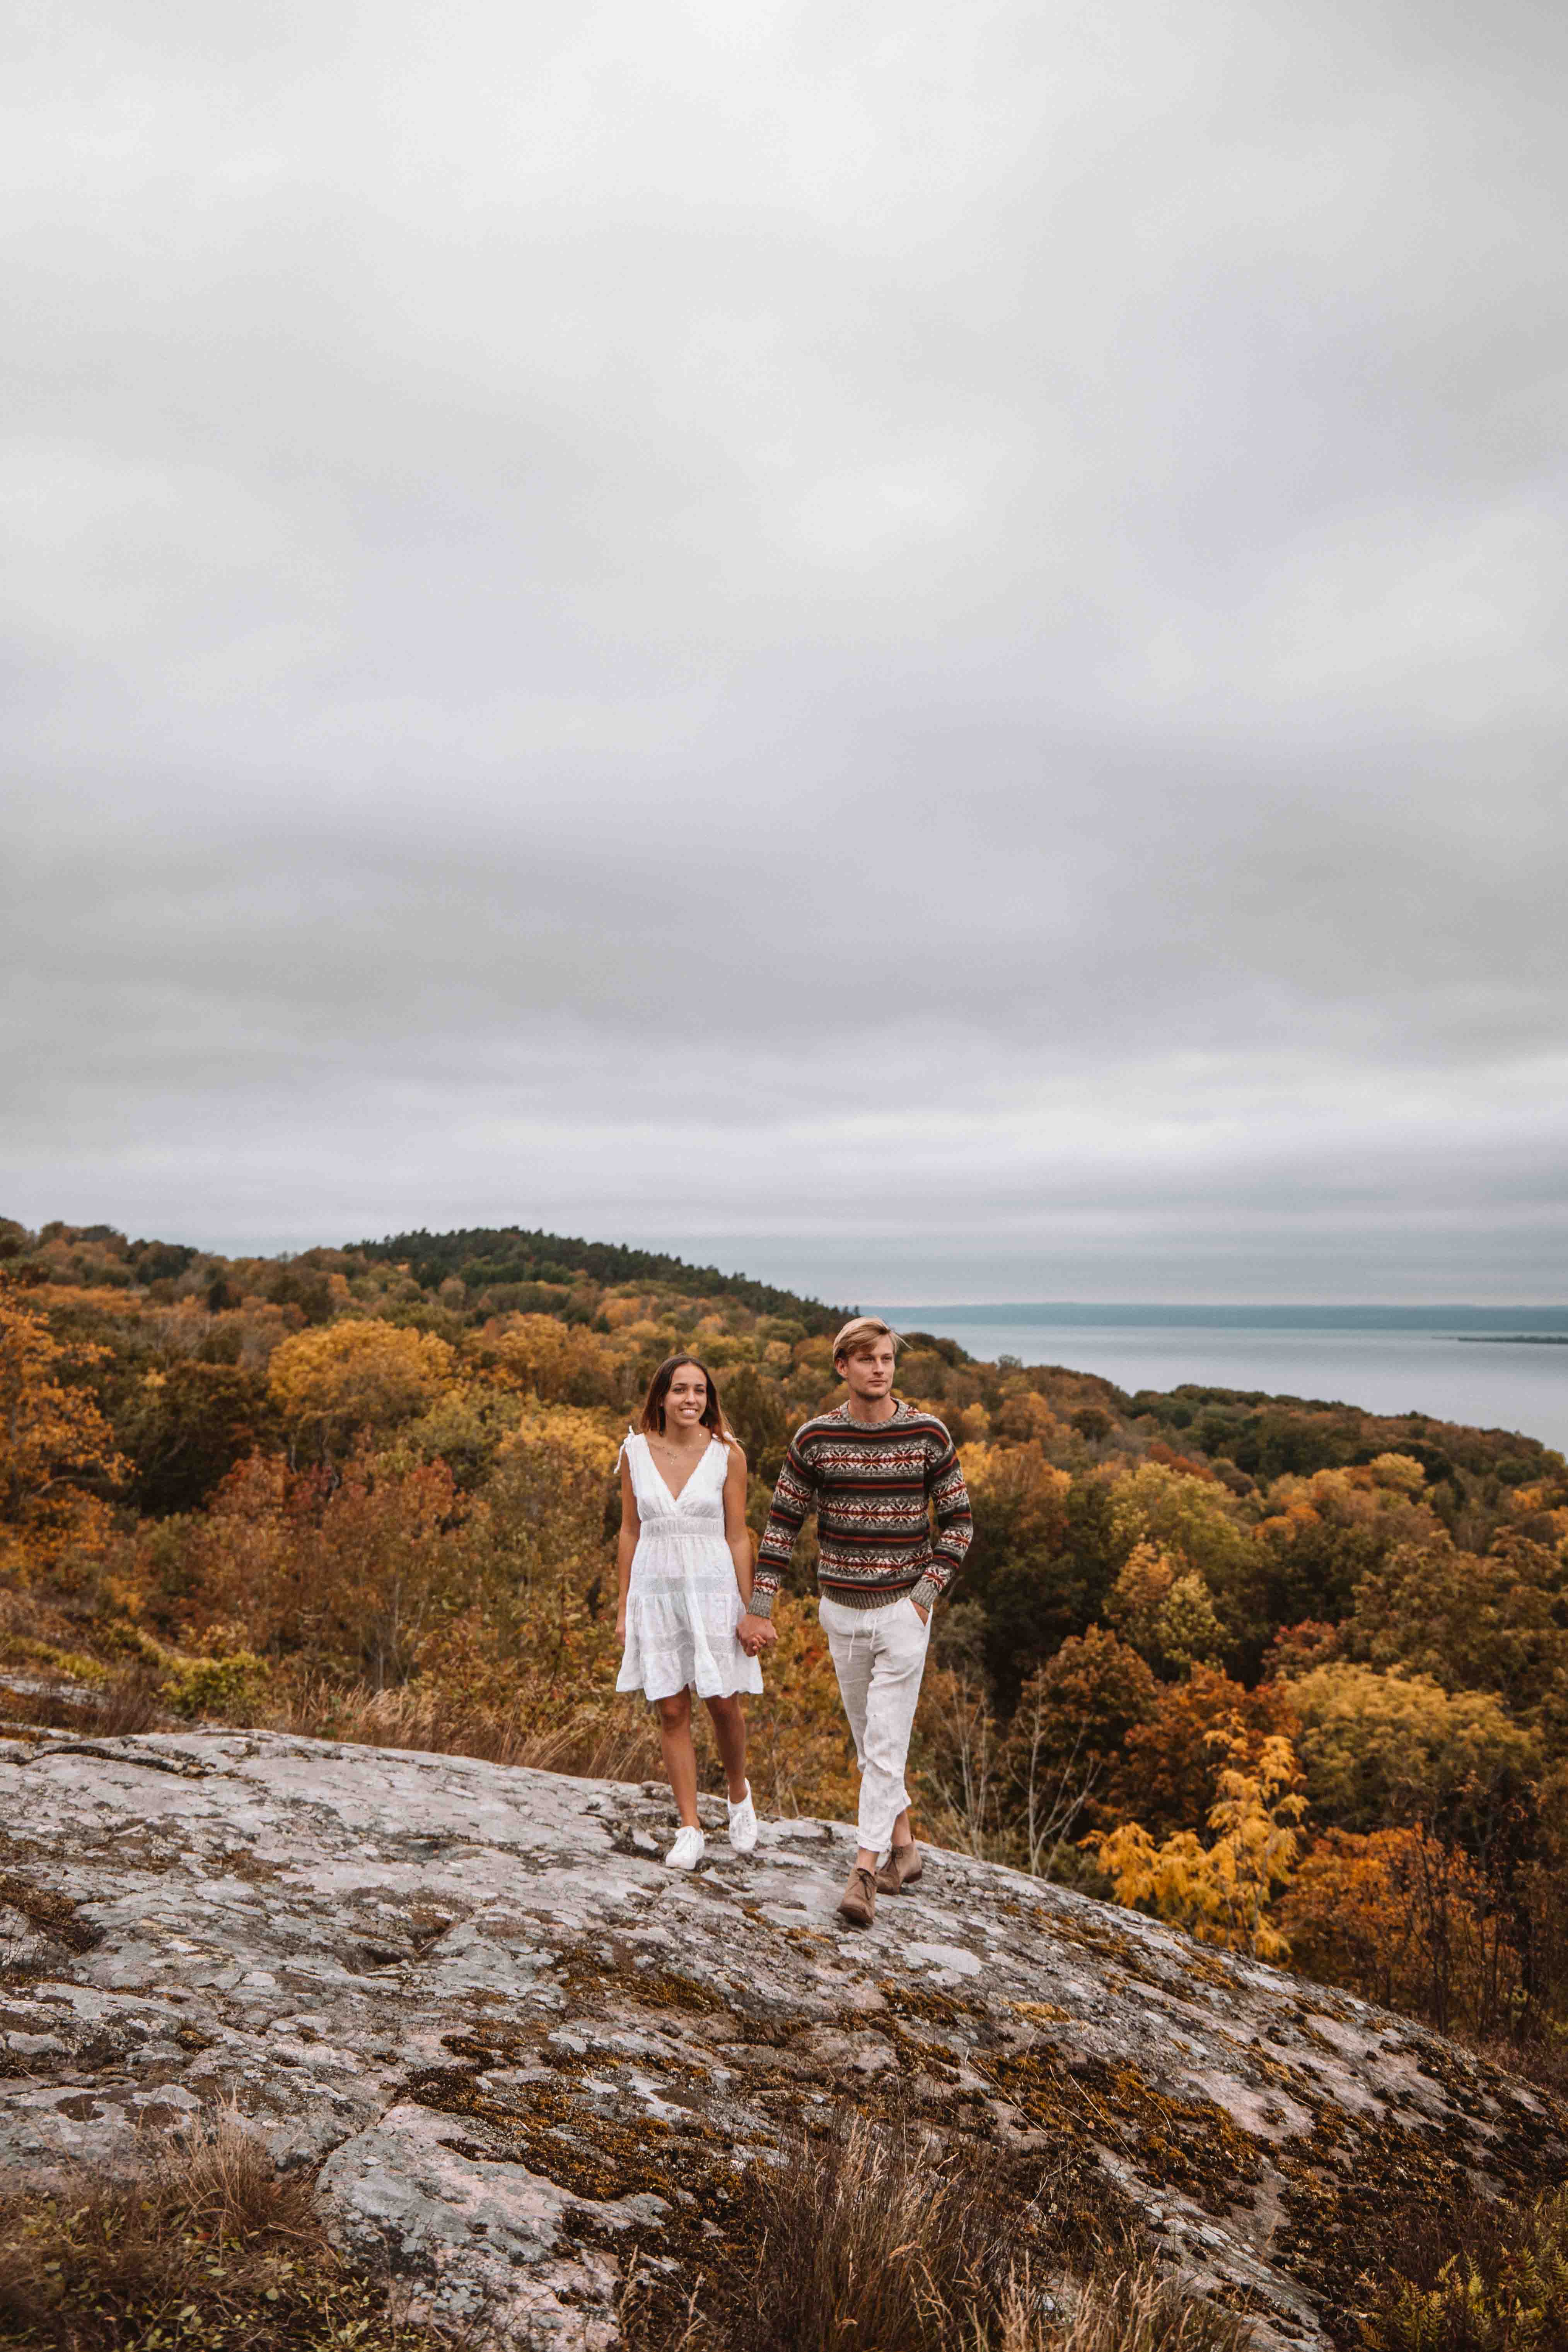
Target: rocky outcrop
{"points": [[520, 2050]]}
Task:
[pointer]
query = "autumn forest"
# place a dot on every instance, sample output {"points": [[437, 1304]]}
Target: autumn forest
{"points": [[1290, 1675]]}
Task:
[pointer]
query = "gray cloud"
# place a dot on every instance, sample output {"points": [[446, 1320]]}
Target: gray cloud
{"points": [[901, 642]]}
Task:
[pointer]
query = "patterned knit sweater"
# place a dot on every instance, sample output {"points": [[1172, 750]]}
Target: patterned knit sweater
{"points": [[870, 1484]]}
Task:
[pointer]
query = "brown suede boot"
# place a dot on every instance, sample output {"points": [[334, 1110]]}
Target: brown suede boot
{"points": [[902, 1870], [858, 1901]]}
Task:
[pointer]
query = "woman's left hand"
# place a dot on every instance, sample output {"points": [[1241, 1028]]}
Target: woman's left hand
{"points": [[755, 1633]]}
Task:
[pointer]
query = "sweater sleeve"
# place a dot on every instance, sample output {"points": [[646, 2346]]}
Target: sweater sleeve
{"points": [[795, 1496], [954, 1520]]}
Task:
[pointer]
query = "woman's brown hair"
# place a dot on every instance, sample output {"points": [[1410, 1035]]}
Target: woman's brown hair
{"points": [[652, 1420]]}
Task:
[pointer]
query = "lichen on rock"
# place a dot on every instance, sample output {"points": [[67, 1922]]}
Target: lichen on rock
{"points": [[515, 2053]]}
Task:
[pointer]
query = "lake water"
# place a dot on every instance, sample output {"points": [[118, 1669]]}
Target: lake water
{"points": [[1385, 1360]]}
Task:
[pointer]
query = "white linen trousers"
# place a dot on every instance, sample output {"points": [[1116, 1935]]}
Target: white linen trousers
{"points": [[878, 1655]]}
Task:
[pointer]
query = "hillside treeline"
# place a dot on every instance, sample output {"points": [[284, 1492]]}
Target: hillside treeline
{"points": [[1290, 1673]]}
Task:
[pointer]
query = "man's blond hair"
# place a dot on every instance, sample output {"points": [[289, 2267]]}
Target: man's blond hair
{"points": [[861, 1332]]}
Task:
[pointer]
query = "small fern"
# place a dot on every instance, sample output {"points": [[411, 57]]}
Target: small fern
{"points": [[1506, 2293]]}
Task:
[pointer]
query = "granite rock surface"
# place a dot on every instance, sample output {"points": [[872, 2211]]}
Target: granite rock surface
{"points": [[518, 2052]]}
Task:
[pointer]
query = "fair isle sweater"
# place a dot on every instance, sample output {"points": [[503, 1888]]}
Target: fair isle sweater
{"points": [[871, 1485]]}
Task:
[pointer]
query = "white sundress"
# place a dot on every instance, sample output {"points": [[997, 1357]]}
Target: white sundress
{"points": [[683, 1603]]}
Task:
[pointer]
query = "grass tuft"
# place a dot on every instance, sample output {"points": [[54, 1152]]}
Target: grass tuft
{"points": [[207, 2245], [884, 2238], [1136, 2310]]}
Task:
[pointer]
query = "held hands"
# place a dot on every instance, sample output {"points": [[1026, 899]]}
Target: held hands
{"points": [[755, 1633]]}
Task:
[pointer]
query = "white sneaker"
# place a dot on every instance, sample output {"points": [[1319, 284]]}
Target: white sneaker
{"points": [[743, 1822], [686, 1851]]}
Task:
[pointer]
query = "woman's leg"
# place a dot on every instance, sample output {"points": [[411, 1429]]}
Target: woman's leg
{"points": [[679, 1755], [730, 1739]]}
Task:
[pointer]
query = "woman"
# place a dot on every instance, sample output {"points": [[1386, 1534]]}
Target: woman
{"points": [[684, 1562]]}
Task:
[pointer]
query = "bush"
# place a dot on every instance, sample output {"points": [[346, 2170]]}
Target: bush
{"points": [[217, 1685]]}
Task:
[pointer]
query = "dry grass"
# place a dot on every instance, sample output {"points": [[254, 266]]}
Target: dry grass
{"points": [[425, 1717], [207, 2245], [1136, 2310], [1544, 2062], [873, 2240], [107, 1711], [884, 2239]]}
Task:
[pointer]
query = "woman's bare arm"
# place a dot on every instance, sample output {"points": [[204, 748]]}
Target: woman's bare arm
{"points": [[737, 1534], [626, 1544]]}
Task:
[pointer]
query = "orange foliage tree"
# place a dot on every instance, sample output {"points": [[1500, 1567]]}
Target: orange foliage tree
{"points": [[55, 1445], [1072, 1721], [1167, 1773], [1405, 1918], [344, 1572]]}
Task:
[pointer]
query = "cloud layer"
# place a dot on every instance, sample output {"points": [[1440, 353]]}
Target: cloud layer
{"points": [[922, 648]]}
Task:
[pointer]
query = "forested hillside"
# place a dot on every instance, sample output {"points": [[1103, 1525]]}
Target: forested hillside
{"points": [[1290, 1673]]}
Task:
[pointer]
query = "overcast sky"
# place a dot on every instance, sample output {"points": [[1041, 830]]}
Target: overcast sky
{"points": [[921, 648]]}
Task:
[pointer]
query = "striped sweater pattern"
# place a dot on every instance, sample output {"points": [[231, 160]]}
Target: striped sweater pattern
{"points": [[872, 1486]]}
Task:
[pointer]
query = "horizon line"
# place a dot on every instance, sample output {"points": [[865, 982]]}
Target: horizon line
{"points": [[1023, 1306]]}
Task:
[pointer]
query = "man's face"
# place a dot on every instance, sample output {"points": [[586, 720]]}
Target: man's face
{"points": [[869, 1372]]}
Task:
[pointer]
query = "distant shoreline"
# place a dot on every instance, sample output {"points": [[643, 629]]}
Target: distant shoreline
{"points": [[1512, 1339], [1530, 1319]]}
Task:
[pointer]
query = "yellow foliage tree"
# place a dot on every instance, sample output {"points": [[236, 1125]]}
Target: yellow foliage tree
{"points": [[1192, 1520], [1388, 1747], [1022, 1415], [1222, 1893], [1165, 1612], [541, 1527], [1137, 1599], [530, 1628], [538, 1355], [328, 1384], [1020, 1499], [1384, 1494], [53, 1438]]}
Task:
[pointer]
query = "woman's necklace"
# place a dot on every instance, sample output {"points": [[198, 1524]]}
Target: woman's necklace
{"points": [[680, 1452]]}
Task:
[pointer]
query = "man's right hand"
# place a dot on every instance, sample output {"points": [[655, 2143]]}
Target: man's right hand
{"points": [[755, 1633]]}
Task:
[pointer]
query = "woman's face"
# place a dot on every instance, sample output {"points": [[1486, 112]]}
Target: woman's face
{"points": [[686, 1401]]}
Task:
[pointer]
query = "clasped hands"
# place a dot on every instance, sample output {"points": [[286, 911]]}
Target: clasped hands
{"points": [[755, 1633]]}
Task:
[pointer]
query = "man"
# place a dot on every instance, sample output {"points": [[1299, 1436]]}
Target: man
{"points": [[871, 1469]]}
